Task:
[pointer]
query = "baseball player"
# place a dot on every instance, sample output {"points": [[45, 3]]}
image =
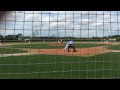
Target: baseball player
{"points": [[59, 40], [66, 46], [107, 40], [71, 45]]}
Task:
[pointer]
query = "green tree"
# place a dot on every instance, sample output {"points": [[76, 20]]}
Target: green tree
{"points": [[1, 35]]}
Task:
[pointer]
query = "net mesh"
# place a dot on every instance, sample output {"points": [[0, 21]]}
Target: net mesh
{"points": [[32, 43]]}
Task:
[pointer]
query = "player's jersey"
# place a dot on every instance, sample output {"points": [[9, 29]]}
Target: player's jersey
{"points": [[59, 39], [70, 42]]}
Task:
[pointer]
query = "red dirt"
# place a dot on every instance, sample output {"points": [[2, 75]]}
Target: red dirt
{"points": [[80, 51]]}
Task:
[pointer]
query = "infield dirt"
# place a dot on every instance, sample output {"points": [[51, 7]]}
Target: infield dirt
{"points": [[85, 52]]}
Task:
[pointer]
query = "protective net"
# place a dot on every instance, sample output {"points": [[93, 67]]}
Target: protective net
{"points": [[60, 45]]}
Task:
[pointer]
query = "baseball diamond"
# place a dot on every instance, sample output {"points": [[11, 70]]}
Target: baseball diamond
{"points": [[60, 45], [85, 52]]}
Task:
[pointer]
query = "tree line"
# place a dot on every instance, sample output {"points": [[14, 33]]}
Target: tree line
{"points": [[20, 37]]}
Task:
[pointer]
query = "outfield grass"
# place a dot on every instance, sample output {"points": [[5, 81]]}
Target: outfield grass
{"points": [[58, 66], [46, 46], [114, 47], [11, 50]]}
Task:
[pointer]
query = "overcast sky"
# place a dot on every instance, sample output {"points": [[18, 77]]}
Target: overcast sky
{"points": [[61, 23]]}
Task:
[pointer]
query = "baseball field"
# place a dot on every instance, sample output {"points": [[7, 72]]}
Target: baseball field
{"points": [[48, 60]]}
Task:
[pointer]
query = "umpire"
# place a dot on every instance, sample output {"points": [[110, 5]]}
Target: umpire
{"points": [[71, 45]]}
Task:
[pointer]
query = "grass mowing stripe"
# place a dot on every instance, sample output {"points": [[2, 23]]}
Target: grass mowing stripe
{"points": [[21, 63]]}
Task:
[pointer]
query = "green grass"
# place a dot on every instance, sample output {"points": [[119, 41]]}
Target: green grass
{"points": [[114, 47], [11, 50], [46, 46], [60, 67]]}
